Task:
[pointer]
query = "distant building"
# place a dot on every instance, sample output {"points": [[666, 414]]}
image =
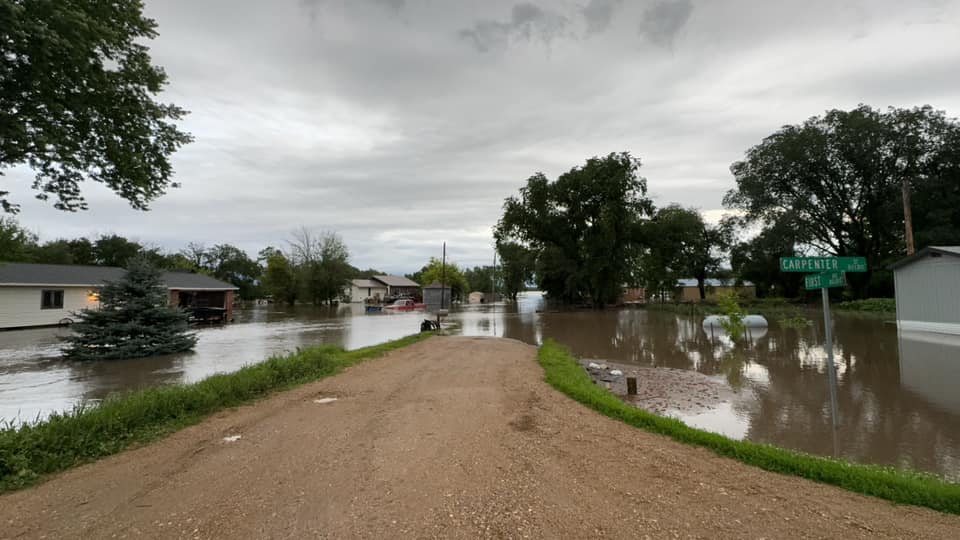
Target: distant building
{"points": [[928, 290], [476, 297], [364, 289], [634, 295], [434, 293], [688, 291], [49, 294], [400, 286], [379, 286]]}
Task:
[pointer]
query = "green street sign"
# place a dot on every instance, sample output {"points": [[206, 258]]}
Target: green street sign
{"points": [[824, 280], [823, 264]]}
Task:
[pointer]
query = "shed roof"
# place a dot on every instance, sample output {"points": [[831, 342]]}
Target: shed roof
{"points": [[78, 275], [712, 282], [436, 285], [367, 284], [396, 281], [935, 251]]}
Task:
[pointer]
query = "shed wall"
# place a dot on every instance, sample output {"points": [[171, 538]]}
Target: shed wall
{"points": [[432, 297], [20, 306], [928, 294]]}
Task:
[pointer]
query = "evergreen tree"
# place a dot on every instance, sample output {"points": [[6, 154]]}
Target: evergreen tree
{"points": [[134, 320]]}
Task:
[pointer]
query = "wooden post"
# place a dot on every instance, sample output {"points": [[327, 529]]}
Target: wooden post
{"points": [[631, 386]]}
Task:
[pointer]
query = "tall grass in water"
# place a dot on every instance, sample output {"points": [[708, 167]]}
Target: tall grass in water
{"points": [[64, 440], [563, 373]]}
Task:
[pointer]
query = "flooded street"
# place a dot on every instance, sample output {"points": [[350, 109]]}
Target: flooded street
{"points": [[896, 397]]}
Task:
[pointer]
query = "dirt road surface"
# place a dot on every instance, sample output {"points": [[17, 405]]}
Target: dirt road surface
{"points": [[449, 438]]}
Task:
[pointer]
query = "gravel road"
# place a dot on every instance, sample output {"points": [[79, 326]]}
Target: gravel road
{"points": [[449, 438]]}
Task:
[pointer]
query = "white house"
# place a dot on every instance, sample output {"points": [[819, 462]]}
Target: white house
{"points": [[50, 294], [379, 286], [928, 290], [361, 289]]}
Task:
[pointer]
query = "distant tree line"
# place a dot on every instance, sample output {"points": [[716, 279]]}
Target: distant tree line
{"points": [[833, 185], [313, 268]]}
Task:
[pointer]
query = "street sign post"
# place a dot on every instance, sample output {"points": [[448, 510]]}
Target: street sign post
{"points": [[824, 280], [823, 264], [829, 272]]}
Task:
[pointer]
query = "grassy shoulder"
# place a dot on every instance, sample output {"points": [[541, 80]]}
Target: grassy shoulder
{"points": [[564, 374], [65, 440]]}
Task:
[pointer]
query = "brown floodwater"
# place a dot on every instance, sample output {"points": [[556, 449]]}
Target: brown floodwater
{"points": [[898, 402]]}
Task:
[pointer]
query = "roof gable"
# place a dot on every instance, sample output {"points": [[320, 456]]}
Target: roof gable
{"points": [[935, 251], [367, 284], [78, 275], [396, 281]]}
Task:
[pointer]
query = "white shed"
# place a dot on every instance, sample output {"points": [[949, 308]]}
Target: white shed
{"points": [[928, 290]]}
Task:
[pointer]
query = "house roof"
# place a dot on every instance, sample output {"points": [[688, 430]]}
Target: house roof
{"points": [[77, 275], [436, 285], [711, 282], [192, 280], [367, 284], [396, 281], [935, 251]]}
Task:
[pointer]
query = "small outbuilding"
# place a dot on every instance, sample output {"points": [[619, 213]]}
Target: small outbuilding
{"points": [[436, 294], [928, 290], [49, 294]]}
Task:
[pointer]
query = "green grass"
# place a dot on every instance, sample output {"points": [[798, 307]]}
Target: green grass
{"points": [[905, 487], [64, 440], [870, 305]]}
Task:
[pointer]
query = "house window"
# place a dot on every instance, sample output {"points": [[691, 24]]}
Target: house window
{"points": [[51, 299]]}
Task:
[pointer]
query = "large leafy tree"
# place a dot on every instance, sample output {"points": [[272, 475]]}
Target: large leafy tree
{"points": [[115, 250], [77, 101], [584, 228], [682, 245], [16, 243], [516, 268], [230, 263], [837, 180], [134, 320], [480, 278], [758, 260], [446, 273], [280, 278], [323, 265]]}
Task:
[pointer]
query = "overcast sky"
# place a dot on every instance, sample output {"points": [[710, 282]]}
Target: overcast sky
{"points": [[403, 123]]}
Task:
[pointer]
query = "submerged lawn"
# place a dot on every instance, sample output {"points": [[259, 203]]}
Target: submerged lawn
{"points": [[68, 439], [565, 374]]}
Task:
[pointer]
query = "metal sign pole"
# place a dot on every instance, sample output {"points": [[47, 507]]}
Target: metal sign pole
{"points": [[831, 370]]}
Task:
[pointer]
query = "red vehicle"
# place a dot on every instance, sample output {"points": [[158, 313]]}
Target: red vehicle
{"points": [[405, 304]]}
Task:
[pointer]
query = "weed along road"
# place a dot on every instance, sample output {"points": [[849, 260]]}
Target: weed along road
{"points": [[450, 437]]}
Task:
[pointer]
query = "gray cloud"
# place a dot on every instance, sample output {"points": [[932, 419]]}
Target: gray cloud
{"points": [[598, 14], [527, 22], [664, 19], [391, 129]]}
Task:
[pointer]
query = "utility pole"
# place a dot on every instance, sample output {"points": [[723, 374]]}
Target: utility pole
{"points": [[443, 279], [907, 217], [493, 278]]}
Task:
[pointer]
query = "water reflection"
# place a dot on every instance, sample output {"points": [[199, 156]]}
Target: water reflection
{"points": [[896, 399]]}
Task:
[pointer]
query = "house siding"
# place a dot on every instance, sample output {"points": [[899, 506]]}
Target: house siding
{"points": [[359, 294], [20, 306], [928, 295]]}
